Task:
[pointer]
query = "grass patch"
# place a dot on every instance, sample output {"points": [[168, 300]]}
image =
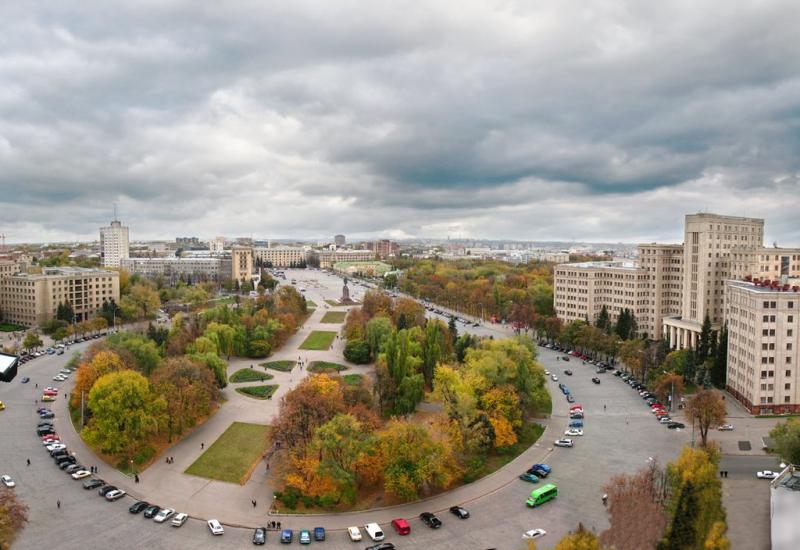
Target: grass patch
{"points": [[10, 327], [334, 317], [318, 340], [283, 366], [258, 392], [249, 375], [232, 457], [352, 379], [325, 366], [546, 406]]}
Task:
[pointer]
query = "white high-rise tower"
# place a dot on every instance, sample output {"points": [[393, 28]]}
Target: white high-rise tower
{"points": [[114, 243]]}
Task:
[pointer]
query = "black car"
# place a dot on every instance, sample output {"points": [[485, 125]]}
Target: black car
{"points": [[73, 468], [381, 546], [137, 507], [25, 380], [105, 490], [260, 536], [675, 425], [47, 414], [570, 398], [44, 424], [45, 431], [430, 520], [459, 512], [151, 511], [93, 484], [596, 380], [66, 462], [568, 372], [59, 453]]}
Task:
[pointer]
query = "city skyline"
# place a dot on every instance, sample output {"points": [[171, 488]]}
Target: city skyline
{"points": [[512, 121]]}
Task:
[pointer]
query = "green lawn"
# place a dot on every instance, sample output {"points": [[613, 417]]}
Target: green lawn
{"points": [[10, 327], [231, 458], [311, 304], [332, 303], [258, 392], [249, 375], [283, 366], [318, 340], [325, 366], [334, 317], [352, 379]]}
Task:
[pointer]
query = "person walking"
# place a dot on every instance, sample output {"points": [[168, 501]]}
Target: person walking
{"points": [[202, 446], [58, 504], [605, 500]]}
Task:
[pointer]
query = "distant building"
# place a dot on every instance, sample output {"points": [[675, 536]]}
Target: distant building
{"points": [[173, 269], [217, 244], [188, 242], [241, 264], [362, 269], [339, 240], [384, 248], [114, 244], [325, 259], [33, 299], [280, 256]]}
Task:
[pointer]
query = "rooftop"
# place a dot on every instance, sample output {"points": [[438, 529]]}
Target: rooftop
{"points": [[616, 264], [766, 286]]}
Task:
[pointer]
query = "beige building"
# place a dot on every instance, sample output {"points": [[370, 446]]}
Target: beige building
{"points": [[763, 319], [114, 244], [325, 259], [172, 268], [8, 268], [33, 299], [217, 245], [241, 263], [280, 256]]}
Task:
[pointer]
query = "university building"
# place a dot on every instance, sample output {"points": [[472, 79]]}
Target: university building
{"points": [[722, 270], [33, 299], [280, 256]]}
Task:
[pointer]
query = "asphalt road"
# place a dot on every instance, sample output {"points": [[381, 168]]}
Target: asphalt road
{"points": [[620, 439]]}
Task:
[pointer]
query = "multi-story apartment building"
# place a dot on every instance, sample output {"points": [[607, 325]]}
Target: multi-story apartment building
{"points": [[8, 268], [763, 319], [241, 263], [326, 258], [33, 299], [383, 248], [217, 245], [195, 269], [114, 244], [339, 240], [280, 256]]}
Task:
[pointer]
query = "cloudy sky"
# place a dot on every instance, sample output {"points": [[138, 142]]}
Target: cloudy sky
{"points": [[585, 120]]}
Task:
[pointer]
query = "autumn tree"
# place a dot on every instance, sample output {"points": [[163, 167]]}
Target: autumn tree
{"points": [[126, 412], [580, 539], [189, 390], [141, 301], [101, 363], [144, 351], [786, 436], [630, 353], [707, 409], [433, 347], [13, 517], [636, 509], [668, 385], [32, 341]]}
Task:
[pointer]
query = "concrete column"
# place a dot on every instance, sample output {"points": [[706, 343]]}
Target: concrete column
{"points": [[673, 337]]}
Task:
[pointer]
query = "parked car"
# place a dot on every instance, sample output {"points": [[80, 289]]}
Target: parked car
{"points": [[304, 537], [259, 536], [8, 481], [179, 519], [573, 432], [80, 474], [664, 420], [570, 399], [93, 483], [459, 512], [563, 442], [287, 535], [541, 470], [676, 425], [401, 526], [554, 378], [105, 490], [381, 546], [568, 372], [374, 531], [534, 534], [596, 380], [319, 534], [726, 428], [529, 477], [164, 515], [354, 533], [115, 495], [215, 527], [430, 520], [576, 424], [151, 511], [766, 474], [25, 380], [138, 507]]}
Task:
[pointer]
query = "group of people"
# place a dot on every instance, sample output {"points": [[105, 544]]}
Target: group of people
{"points": [[274, 525]]}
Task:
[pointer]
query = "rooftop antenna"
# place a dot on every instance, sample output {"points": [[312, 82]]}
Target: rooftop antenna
{"points": [[115, 211]]}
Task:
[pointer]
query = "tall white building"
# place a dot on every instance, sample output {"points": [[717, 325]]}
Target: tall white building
{"points": [[114, 244], [217, 244]]}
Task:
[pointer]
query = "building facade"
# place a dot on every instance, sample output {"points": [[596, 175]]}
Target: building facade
{"points": [[325, 259], [763, 319], [384, 248], [280, 256], [114, 244], [217, 245], [173, 269], [241, 263], [339, 240], [33, 299]]}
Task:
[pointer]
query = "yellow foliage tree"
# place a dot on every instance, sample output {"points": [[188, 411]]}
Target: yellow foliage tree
{"points": [[103, 362], [580, 539], [504, 435]]}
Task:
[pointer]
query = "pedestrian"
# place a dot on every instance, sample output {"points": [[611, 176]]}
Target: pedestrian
{"points": [[136, 478], [604, 407], [267, 465], [627, 421], [605, 500], [254, 503], [721, 473], [58, 504], [172, 460], [166, 460], [36, 385], [279, 525], [29, 462], [202, 446]]}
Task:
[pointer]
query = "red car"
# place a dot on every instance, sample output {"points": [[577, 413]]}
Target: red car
{"points": [[50, 393], [401, 526]]}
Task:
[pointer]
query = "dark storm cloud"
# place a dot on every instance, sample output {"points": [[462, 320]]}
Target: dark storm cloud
{"points": [[601, 120]]}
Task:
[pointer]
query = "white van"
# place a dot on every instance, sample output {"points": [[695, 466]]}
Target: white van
{"points": [[374, 531]]}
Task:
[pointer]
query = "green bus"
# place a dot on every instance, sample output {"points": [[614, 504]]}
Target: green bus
{"points": [[542, 495]]}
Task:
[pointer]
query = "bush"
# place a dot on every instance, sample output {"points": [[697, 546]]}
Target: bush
{"points": [[357, 351], [258, 392], [249, 375], [325, 366]]}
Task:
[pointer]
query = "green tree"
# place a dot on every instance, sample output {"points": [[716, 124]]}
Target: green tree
{"points": [[786, 436], [32, 341], [64, 312], [189, 390], [141, 301], [704, 342], [432, 349], [342, 444], [719, 370], [357, 351], [144, 351], [682, 531], [603, 320], [216, 364], [126, 412], [377, 330]]}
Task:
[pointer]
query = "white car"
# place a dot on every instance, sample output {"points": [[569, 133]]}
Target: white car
{"points": [[573, 432], [80, 474], [179, 519], [115, 495], [355, 534], [547, 373], [766, 474], [48, 442], [59, 378], [164, 515], [726, 428], [215, 527], [374, 531], [563, 442], [664, 420], [56, 447], [554, 378], [534, 534], [51, 388], [7, 481]]}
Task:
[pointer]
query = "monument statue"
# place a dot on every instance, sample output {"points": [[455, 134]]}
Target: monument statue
{"points": [[345, 294]]}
